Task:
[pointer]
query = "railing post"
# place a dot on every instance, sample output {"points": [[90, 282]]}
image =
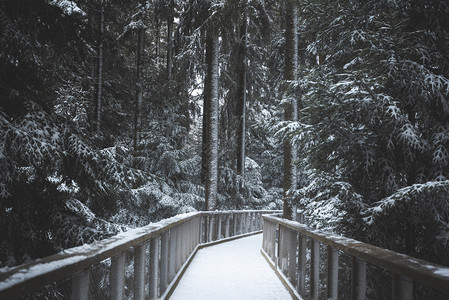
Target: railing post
{"points": [[154, 267], [314, 269], [80, 285], [117, 276], [301, 285], [164, 261], [211, 228], [220, 220], [280, 248], [358, 279], [264, 241], [184, 237], [402, 287], [139, 272], [206, 228], [275, 232], [194, 234], [234, 220], [293, 242], [284, 248], [172, 254], [198, 227], [269, 238], [301, 218], [203, 228], [189, 239], [251, 225], [179, 248], [241, 222], [278, 255], [256, 221], [332, 273], [228, 220]]}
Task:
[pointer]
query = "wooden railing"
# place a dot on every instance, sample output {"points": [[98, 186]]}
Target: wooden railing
{"points": [[133, 264], [293, 250]]}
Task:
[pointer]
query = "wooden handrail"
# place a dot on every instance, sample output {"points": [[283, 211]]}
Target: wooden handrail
{"points": [[182, 235], [404, 269]]}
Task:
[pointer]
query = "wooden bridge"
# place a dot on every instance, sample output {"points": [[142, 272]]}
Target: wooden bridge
{"points": [[149, 262]]}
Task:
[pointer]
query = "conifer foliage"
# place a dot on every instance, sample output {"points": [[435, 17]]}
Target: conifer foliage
{"points": [[375, 95]]}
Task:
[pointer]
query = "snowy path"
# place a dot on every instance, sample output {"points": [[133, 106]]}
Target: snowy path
{"points": [[232, 270]]}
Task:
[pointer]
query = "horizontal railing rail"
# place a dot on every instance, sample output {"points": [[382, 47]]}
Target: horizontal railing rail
{"points": [[132, 264], [285, 244]]}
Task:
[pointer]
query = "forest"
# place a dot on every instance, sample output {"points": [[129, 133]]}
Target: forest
{"points": [[118, 113]]}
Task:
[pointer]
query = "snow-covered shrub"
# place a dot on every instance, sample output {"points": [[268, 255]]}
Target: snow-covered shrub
{"points": [[329, 204], [44, 163]]}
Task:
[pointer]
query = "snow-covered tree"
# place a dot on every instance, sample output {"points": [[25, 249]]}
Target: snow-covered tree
{"points": [[375, 106]]}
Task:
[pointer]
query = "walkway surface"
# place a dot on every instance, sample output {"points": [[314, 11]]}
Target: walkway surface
{"points": [[231, 270]]}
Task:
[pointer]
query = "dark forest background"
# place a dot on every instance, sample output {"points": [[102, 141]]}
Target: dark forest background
{"points": [[102, 128]]}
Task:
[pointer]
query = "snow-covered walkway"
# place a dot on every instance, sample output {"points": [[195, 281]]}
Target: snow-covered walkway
{"points": [[231, 270]]}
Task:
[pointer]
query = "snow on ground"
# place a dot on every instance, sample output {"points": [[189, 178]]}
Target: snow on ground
{"points": [[232, 270]]}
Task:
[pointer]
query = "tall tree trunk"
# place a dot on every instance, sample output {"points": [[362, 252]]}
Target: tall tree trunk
{"points": [[158, 40], [290, 106], [170, 19], [210, 119], [93, 74], [100, 65], [241, 96], [139, 90]]}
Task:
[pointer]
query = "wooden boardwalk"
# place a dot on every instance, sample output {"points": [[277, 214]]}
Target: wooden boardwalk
{"points": [[231, 270]]}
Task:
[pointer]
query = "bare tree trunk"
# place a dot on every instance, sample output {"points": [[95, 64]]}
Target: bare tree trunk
{"points": [[100, 65], [139, 90], [170, 39], [210, 119], [241, 97], [290, 106]]}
